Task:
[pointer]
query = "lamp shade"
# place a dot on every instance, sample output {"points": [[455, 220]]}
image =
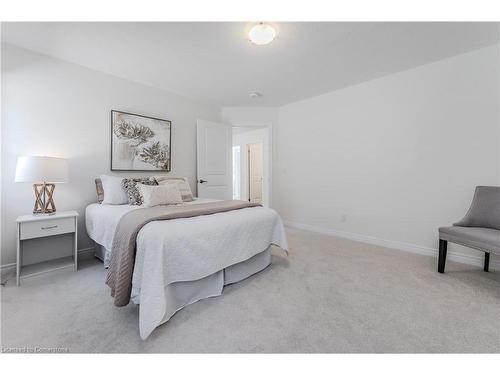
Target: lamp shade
{"points": [[41, 169]]}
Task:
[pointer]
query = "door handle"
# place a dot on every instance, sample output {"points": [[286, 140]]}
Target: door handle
{"points": [[202, 181]]}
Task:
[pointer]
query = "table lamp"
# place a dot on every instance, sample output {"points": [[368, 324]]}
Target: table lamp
{"points": [[44, 171]]}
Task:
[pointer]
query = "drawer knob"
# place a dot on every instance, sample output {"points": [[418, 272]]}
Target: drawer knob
{"points": [[52, 227]]}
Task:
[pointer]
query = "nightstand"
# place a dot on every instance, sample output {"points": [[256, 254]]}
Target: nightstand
{"points": [[37, 226]]}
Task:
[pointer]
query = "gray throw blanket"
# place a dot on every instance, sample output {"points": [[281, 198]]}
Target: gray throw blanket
{"points": [[119, 277]]}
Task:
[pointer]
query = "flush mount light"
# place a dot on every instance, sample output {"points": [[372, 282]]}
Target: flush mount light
{"points": [[262, 34]]}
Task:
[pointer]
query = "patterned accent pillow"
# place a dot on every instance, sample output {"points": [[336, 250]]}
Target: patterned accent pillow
{"points": [[182, 184], [132, 190], [99, 190]]}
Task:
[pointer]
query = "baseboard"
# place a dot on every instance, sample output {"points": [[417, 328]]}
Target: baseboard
{"points": [[403, 246], [87, 253], [7, 268], [83, 254]]}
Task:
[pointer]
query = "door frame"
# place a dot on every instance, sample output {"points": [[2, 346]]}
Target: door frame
{"points": [[267, 153], [249, 182]]}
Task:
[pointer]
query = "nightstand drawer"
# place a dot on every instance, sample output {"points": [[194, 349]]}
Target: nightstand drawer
{"points": [[49, 227]]}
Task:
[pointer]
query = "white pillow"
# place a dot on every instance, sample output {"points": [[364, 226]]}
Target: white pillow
{"points": [[114, 192], [181, 182], [154, 195]]}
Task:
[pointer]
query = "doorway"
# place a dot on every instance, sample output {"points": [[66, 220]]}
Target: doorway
{"points": [[251, 169]]}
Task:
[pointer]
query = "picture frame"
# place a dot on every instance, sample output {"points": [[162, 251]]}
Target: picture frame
{"points": [[140, 143]]}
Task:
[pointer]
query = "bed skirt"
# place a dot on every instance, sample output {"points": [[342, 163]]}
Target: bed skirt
{"points": [[181, 294], [102, 254]]}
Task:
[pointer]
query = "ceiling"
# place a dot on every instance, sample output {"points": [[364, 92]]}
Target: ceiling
{"points": [[215, 62]]}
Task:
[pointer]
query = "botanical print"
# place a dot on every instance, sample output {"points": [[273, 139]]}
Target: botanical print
{"points": [[139, 142]]}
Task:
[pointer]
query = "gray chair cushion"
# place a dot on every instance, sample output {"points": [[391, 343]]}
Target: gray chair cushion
{"points": [[484, 211], [485, 239]]}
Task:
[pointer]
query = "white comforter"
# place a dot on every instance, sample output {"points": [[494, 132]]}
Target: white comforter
{"points": [[101, 219], [185, 249]]}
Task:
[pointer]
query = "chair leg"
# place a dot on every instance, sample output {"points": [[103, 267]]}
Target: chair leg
{"points": [[486, 262], [443, 248]]}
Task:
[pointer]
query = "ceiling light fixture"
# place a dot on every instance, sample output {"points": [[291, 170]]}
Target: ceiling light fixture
{"points": [[262, 34]]}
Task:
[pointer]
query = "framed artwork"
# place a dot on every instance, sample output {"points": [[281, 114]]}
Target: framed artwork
{"points": [[140, 143]]}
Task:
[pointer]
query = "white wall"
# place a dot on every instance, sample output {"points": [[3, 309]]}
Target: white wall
{"points": [[393, 158], [243, 137], [61, 109]]}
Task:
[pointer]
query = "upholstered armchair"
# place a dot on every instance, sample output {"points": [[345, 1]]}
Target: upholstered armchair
{"points": [[479, 229]]}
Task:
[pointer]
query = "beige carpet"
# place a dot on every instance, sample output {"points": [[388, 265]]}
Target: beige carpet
{"points": [[329, 295]]}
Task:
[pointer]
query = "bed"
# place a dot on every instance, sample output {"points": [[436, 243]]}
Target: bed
{"points": [[181, 261]]}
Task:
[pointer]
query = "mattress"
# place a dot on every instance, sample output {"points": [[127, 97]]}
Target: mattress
{"points": [[101, 221]]}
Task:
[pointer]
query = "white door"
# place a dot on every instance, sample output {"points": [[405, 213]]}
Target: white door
{"points": [[255, 172], [214, 143]]}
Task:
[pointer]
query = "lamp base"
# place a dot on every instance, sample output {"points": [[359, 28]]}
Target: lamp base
{"points": [[44, 203]]}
